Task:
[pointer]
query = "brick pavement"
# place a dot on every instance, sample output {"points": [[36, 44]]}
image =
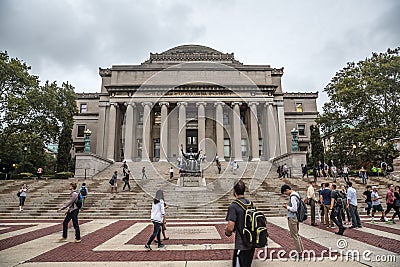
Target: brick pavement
{"points": [[177, 250]]}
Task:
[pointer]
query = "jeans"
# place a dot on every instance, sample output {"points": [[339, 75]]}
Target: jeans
{"points": [[21, 201], [355, 218], [369, 207], [312, 207], [364, 178], [156, 232], [126, 184], [73, 215], [336, 217]]}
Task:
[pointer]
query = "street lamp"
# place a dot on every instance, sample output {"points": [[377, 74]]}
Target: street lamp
{"points": [[24, 157]]}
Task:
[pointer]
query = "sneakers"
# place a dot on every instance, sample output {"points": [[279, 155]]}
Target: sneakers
{"points": [[62, 239], [147, 247], [161, 245], [77, 240]]}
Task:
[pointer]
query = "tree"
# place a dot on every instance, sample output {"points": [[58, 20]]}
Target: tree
{"points": [[317, 148], [363, 113], [31, 115]]}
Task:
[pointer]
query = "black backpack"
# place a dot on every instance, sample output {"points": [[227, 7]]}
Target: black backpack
{"points": [[301, 210], [83, 192], [111, 181], [79, 202], [340, 199], [255, 231]]}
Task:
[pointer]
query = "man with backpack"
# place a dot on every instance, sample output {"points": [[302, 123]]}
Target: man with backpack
{"points": [[83, 192], [336, 206], [71, 214], [292, 213], [243, 252], [352, 206]]}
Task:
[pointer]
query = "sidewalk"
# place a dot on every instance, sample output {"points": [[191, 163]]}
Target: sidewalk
{"points": [[114, 242]]}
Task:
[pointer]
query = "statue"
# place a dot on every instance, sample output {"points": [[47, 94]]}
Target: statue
{"points": [[190, 163]]}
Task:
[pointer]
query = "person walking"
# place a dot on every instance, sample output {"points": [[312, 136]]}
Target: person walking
{"points": [[22, 196], [368, 200], [335, 207], [346, 173], [39, 173], [144, 176], [124, 168], [160, 195], [390, 199], [113, 182], [126, 180], [363, 174], [352, 206], [376, 205], [325, 198], [171, 173], [219, 167], [242, 254], [396, 203], [157, 218], [312, 200], [293, 223], [71, 214], [304, 170], [83, 193]]}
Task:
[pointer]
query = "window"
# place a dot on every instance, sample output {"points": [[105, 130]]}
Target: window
{"points": [[226, 118], [83, 108], [156, 148], [140, 119], [139, 147], [243, 116], [227, 148], [81, 130], [244, 147], [260, 147], [157, 118], [299, 107], [302, 129]]}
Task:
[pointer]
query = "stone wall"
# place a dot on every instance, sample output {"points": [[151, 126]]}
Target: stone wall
{"points": [[87, 165], [293, 160]]}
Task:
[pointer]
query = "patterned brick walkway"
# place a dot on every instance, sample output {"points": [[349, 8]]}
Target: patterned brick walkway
{"points": [[123, 241]]}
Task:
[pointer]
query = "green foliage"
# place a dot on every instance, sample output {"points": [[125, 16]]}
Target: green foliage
{"points": [[63, 175], [363, 114], [317, 148], [32, 115]]}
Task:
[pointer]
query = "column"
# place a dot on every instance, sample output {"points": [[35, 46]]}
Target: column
{"points": [[146, 131], [237, 132], [254, 132], [201, 125], [111, 131], [182, 124], [282, 129], [164, 131], [219, 128], [129, 128], [101, 127], [271, 131]]}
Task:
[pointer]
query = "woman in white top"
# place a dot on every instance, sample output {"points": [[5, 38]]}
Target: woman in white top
{"points": [[22, 196], [157, 217]]}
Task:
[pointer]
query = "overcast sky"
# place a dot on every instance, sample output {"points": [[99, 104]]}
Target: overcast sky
{"points": [[69, 40]]}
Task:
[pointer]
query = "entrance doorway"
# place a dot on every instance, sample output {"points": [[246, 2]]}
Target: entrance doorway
{"points": [[191, 140]]}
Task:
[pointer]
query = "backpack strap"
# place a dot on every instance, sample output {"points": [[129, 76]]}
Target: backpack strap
{"points": [[243, 205]]}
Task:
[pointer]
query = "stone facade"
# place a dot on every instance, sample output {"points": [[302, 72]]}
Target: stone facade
{"points": [[196, 97]]}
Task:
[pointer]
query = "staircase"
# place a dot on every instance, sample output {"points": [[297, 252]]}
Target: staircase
{"points": [[210, 200]]}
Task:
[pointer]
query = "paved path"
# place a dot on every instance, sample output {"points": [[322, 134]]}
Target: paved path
{"points": [[113, 242]]}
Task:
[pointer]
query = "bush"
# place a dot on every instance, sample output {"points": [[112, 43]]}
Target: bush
{"points": [[63, 175]]}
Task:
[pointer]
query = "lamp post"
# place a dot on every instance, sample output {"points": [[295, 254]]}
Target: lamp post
{"points": [[87, 133], [23, 159]]}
